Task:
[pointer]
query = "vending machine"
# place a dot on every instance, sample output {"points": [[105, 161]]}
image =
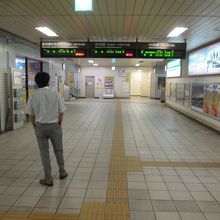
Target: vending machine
{"points": [[108, 87]]}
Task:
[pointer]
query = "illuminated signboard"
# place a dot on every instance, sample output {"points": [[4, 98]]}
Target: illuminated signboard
{"points": [[116, 53], [63, 49], [47, 52], [112, 49], [173, 68], [205, 61], [161, 50]]}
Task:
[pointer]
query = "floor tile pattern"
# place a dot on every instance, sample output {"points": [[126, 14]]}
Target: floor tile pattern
{"points": [[127, 159]]}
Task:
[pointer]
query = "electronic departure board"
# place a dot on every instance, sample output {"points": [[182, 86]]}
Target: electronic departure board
{"points": [[161, 50], [63, 49], [112, 49]]}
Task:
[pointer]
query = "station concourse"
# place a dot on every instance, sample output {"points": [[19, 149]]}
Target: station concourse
{"points": [[142, 121]]}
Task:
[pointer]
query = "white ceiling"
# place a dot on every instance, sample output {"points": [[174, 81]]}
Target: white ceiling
{"points": [[115, 20]]}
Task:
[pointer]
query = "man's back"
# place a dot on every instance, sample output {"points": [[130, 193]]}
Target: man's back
{"points": [[46, 105]]}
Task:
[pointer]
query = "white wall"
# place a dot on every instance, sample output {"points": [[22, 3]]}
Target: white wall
{"points": [[105, 71], [101, 72], [93, 71]]}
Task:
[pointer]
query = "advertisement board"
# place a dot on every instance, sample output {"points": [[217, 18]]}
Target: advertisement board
{"points": [[99, 82], [197, 97], [187, 88], [180, 93], [207, 98], [173, 92], [173, 68], [214, 103], [205, 61]]}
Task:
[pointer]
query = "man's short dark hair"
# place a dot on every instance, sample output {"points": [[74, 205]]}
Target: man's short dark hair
{"points": [[42, 79]]}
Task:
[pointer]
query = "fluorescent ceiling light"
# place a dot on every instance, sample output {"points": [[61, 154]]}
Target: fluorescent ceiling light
{"points": [[113, 68], [137, 64], [95, 64], [90, 61], [83, 5], [47, 31], [176, 31]]}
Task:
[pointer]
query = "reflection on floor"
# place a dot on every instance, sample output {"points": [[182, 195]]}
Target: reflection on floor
{"points": [[127, 159]]}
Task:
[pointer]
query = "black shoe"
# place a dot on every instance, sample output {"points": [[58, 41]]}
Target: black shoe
{"points": [[46, 182], [63, 175]]}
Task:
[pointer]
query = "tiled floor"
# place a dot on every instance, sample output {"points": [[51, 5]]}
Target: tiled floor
{"points": [[127, 159]]}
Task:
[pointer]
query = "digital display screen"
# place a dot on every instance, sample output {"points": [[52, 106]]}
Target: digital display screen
{"points": [[205, 61], [160, 54], [116, 53], [62, 53], [156, 53], [173, 68], [112, 49]]}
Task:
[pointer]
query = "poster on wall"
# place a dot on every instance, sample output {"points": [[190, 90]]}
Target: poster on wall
{"points": [[99, 82], [17, 78], [215, 98], [207, 98], [187, 88], [218, 89], [180, 93], [212, 100], [126, 84], [173, 92], [33, 67], [21, 64], [168, 90], [205, 61], [173, 68], [197, 96]]}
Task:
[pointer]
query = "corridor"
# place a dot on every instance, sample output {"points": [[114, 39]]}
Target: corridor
{"points": [[127, 159]]}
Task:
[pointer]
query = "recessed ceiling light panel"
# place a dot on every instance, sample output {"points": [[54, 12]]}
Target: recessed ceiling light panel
{"points": [[47, 31], [177, 31], [83, 5]]}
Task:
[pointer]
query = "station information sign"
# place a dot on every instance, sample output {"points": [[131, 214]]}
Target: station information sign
{"points": [[112, 49], [63, 49], [50, 49], [161, 50]]}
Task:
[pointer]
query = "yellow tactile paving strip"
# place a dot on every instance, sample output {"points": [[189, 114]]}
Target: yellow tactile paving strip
{"points": [[180, 164], [116, 206]]}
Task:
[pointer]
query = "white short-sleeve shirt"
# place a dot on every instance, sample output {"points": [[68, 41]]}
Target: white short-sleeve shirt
{"points": [[45, 105]]}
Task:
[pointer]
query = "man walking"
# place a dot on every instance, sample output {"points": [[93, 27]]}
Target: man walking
{"points": [[45, 108]]}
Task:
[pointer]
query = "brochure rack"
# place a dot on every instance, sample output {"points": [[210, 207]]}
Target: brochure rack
{"points": [[17, 100]]}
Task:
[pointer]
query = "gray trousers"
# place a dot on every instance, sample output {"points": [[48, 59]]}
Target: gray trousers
{"points": [[44, 132]]}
